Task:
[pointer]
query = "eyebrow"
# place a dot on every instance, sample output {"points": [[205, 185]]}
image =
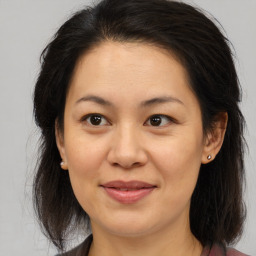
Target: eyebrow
{"points": [[159, 100], [95, 99], [146, 103]]}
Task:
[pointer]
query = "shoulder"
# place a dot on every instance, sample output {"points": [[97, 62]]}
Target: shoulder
{"points": [[219, 250], [80, 250], [234, 252]]}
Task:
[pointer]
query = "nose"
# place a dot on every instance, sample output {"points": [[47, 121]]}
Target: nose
{"points": [[126, 150]]}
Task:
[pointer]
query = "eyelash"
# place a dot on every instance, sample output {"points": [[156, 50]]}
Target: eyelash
{"points": [[149, 120], [86, 118], [168, 118]]}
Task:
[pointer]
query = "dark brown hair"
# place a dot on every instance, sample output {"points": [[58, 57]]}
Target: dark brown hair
{"points": [[217, 211]]}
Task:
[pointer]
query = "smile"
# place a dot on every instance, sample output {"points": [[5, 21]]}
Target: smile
{"points": [[128, 192]]}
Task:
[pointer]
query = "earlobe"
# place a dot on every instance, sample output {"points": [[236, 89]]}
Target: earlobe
{"points": [[215, 137], [63, 165], [60, 145]]}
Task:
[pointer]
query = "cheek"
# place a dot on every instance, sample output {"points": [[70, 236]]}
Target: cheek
{"points": [[84, 155], [84, 162], [178, 163]]}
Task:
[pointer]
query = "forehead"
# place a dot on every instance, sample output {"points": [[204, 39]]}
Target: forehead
{"points": [[120, 55], [129, 68]]}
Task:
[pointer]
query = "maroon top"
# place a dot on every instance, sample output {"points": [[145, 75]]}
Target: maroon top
{"points": [[215, 250], [218, 250]]}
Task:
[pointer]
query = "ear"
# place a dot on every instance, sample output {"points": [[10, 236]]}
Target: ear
{"points": [[60, 145], [214, 138]]}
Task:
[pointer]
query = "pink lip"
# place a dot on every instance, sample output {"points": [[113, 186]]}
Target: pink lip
{"points": [[128, 192]]}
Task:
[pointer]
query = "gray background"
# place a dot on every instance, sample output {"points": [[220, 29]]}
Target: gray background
{"points": [[25, 28]]}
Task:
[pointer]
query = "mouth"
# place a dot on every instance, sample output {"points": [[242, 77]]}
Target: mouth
{"points": [[128, 192]]}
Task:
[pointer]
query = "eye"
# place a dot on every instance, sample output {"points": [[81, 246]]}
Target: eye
{"points": [[159, 120], [95, 120]]}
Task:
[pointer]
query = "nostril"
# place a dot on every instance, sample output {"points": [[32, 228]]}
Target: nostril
{"points": [[137, 164], [127, 158], [127, 166]]}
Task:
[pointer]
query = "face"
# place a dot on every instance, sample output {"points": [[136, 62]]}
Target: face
{"points": [[133, 140]]}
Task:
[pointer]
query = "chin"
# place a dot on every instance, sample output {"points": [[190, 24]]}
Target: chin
{"points": [[130, 232], [130, 227]]}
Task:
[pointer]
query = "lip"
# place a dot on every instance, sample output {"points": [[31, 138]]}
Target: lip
{"points": [[128, 192]]}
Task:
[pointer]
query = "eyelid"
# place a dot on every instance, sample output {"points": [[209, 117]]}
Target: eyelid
{"points": [[85, 117], [170, 120], [163, 116]]}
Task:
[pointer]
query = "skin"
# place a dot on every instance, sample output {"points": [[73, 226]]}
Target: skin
{"points": [[126, 146]]}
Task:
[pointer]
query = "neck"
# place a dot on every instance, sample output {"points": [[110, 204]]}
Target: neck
{"points": [[164, 243]]}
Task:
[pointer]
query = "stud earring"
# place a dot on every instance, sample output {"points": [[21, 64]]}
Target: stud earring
{"points": [[63, 165], [209, 157]]}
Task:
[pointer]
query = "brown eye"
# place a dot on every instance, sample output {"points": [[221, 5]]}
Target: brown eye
{"points": [[96, 120], [158, 120], [155, 120]]}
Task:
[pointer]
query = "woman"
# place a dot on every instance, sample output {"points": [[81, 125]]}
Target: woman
{"points": [[142, 136]]}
